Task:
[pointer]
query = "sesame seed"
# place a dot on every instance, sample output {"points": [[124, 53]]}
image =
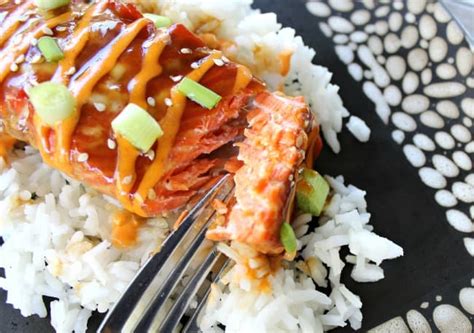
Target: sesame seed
{"points": [[195, 65], [47, 31], [147, 44], [176, 78], [225, 59], [33, 42], [82, 157], [23, 18], [14, 67], [71, 71], [34, 19], [36, 59], [17, 2], [25, 195], [111, 144], [20, 59], [151, 101], [100, 107], [17, 39], [151, 194], [150, 154], [219, 62], [168, 102], [127, 180], [299, 141], [61, 29], [185, 50], [138, 198]]}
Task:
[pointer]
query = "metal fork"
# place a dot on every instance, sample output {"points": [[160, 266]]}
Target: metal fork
{"points": [[146, 305]]}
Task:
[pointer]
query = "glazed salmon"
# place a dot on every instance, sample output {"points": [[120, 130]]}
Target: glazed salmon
{"points": [[114, 56], [274, 147]]}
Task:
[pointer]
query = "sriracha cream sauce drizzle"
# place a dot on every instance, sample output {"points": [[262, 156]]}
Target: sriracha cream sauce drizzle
{"points": [[18, 43]]}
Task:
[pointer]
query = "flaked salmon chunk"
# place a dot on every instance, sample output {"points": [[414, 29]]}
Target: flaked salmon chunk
{"points": [[272, 152]]}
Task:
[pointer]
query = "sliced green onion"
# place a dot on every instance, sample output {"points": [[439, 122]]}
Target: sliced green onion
{"points": [[288, 237], [50, 49], [311, 192], [158, 20], [52, 101], [51, 4], [198, 93], [137, 126]]}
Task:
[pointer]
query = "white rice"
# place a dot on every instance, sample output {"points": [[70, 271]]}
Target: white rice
{"points": [[358, 128], [59, 245]]}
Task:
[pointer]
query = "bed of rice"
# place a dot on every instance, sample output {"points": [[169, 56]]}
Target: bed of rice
{"points": [[57, 232]]}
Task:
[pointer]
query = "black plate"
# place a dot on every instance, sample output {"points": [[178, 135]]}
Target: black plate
{"points": [[403, 209]]}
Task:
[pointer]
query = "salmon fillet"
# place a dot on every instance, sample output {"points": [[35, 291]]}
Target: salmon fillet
{"points": [[112, 57]]}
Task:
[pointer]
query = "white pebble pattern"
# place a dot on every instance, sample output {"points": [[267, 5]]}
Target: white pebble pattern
{"points": [[445, 199], [444, 140], [410, 83], [431, 119], [416, 67], [459, 221], [461, 133], [424, 142], [414, 155], [447, 109], [445, 166], [464, 192], [432, 178], [404, 121], [462, 160]]}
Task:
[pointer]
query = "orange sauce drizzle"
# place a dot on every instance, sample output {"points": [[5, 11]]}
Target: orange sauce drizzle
{"points": [[285, 62], [125, 226], [150, 68], [242, 79], [126, 157], [6, 144], [41, 131], [77, 43], [82, 87], [8, 56], [12, 22]]}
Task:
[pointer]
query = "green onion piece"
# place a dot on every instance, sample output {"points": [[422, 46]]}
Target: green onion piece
{"points": [[311, 192], [288, 237], [52, 101], [51, 4], [158, 20], [198, 93], [50, 49], [137, 126]]}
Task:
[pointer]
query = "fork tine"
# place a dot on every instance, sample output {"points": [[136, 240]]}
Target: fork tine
{"points": [[180, 305], [154, 309], [192, 325], [126, 313], [157, 309]]}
